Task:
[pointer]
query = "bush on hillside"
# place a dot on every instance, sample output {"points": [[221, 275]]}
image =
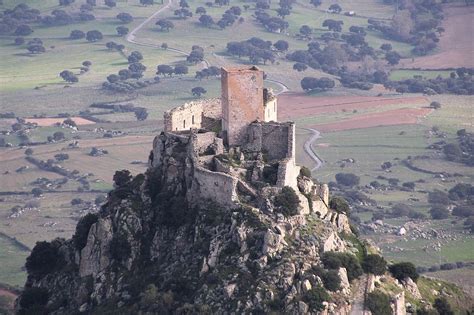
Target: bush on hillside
{"points": [[287, 201], [333, 260], [315, 298], [347, 179], [404, 270], [379, 303], [375, 264]]}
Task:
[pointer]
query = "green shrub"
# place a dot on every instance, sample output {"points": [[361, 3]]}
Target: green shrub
{"points": [[375, 264], [442, 306], [379, 303], [403, 270], [44, 258], [315, 298], [333, 260], [304, 171], [339, 204], [347, 179], [82, 230], [331, 280], [33, 300], [287, 201]]}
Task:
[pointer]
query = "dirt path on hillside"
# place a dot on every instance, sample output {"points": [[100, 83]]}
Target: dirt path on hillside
{"points": [[456, 46]]}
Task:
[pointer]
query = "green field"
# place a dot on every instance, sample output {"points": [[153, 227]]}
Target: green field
{"points": [[12, 260], [428, 74]]}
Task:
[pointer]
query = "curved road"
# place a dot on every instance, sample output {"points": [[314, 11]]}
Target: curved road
{"points": [[131, 38]]}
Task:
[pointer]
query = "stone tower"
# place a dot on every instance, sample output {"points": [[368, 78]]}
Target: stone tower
{"points": [[242, 102]]}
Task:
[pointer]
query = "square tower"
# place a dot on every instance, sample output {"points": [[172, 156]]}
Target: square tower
{"points": [[242, 102]]}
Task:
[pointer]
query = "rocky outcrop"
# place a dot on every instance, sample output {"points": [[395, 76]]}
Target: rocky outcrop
{"points": [[201, 232]]}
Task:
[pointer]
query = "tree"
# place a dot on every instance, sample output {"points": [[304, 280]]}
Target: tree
{"points": [[435, 105], [180, 69], [309, 84], [113, 78], [122, 30], [125, 17], [316, 3], [439, 212], [206, 20], [442, 306], [331, 280], [147, 2], [23, 30], [77, 34], [299, 66], [379, 303], [92, 2], [282, 12], [122, 178], [141, 113], [68, 76], [386, 47], [287, 201], [29, 151], [110, 3], [347, 179], [392, 57], [58, 135], [332, 25], [262, 5], [19, 41], [183, 13], [183, 4], [86, 63], [165, 24], [463, 211], [66, 2], [374, 264], [281, 45], [334, 260], [135, 56], [36, 48], [93, 36], [404, 270], [198, 91], [315, 298], [200, 10], [61, 156], [339, 204], [335, 8], [164, 70], [37, 192], [305, 30], [44, 258]]}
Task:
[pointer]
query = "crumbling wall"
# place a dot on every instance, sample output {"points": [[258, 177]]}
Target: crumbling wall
{"points": [[206, 143], [288, 173], [276, 140], [219, 187], [270, 105], [190, 115], [184, 117]]}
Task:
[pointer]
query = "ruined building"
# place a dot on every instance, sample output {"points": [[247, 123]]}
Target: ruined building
{"points": [[235, 140]]}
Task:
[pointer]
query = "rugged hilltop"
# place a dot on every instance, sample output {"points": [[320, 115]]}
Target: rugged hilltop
{"points": [[222, 222]]}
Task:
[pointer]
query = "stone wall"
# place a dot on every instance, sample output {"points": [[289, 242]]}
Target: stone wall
{"points": [[270, 105], [219, 187], [288, 173], [190, 115], [242, 101], [274, 139]]}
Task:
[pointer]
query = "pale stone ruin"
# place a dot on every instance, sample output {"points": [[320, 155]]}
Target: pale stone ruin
{"points": [[229, 144]]}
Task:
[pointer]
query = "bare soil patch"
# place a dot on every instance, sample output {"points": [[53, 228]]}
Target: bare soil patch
{"points": [[456, 45], [44, 122], [293, 105], [402, 116]]}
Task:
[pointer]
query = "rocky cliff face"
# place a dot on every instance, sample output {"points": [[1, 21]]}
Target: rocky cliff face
{"points": [[157, 247]]}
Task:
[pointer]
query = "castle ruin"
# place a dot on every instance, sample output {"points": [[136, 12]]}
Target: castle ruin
{"points": [[233, 146]]}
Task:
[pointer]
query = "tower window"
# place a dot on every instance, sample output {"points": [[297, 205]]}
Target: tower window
{"points": [[193, 119], [184, 124]]}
